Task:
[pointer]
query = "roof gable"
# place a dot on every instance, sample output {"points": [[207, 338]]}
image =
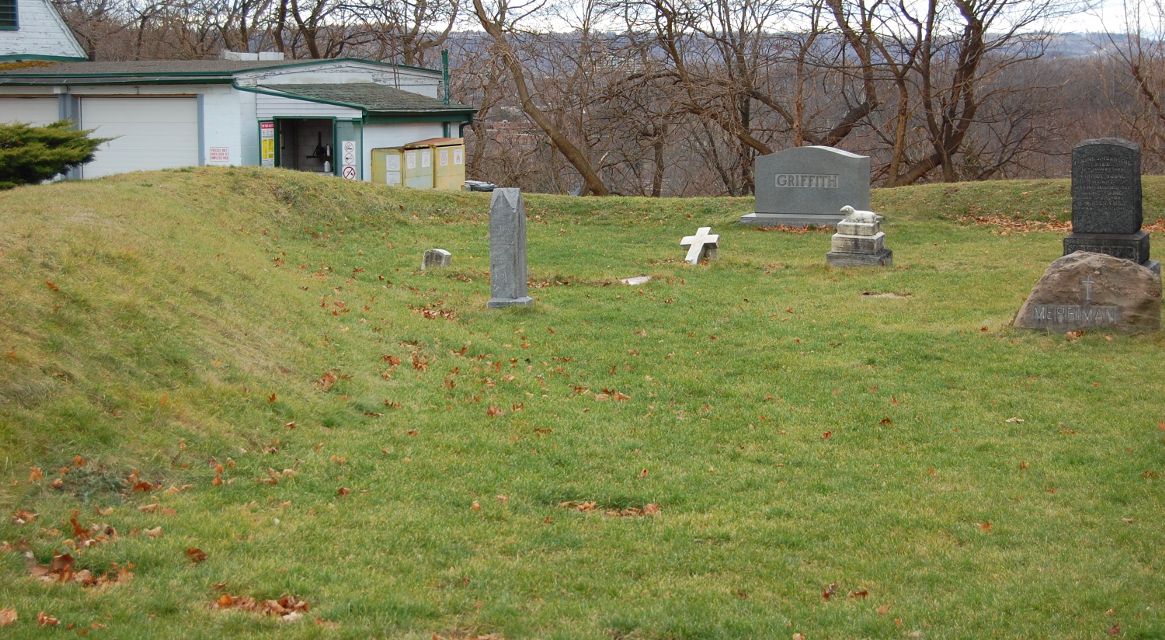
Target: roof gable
{"points": [[40, 34]]}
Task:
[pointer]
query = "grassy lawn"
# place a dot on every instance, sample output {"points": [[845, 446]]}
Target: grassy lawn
{"points": [[248, 366]]}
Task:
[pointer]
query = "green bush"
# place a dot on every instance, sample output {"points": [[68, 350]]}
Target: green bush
{"points": [[29, 154]]}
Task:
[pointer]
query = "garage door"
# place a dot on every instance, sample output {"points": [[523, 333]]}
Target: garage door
{"points": [[149, 133], [34, 111]]}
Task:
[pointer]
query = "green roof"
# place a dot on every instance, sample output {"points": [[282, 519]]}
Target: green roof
{"points": [[375, 99], [106, 72]]}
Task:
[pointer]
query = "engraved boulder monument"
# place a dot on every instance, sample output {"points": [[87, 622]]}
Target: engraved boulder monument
{"points": [[1106, 201], [1087, 290], [808, 186]]}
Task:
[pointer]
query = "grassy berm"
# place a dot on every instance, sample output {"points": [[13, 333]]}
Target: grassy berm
{"points": [[232, 406]]}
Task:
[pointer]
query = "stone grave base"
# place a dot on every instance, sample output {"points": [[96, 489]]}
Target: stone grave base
{"points": [[759, 219], [883, 258], [498, 303]]}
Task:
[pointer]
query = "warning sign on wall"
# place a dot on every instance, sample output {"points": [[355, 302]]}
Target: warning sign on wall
{"points": [[267, 144], [219, 155], [348, 159]]}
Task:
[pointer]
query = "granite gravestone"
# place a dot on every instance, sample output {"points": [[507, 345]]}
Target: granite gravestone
{"points": [[507, 250], [702, 246], [859, 241], [1093, 290], [808, 186], [1106, 201], [436, 258]]}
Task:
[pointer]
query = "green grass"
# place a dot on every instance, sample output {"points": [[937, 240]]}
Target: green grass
{"points": [[976, 481]]}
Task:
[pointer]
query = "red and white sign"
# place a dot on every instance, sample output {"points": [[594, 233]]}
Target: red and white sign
{"points": [[348, 157], [219, 155]]}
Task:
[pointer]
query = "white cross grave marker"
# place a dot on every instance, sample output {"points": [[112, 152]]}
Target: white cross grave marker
{"points": [[703, 244]]}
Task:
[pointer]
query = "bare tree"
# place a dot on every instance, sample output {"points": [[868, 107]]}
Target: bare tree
{"points": [[500, 23]]}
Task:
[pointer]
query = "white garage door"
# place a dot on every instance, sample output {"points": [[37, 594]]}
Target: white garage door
{"points": [[34, 111], [149, 133]]}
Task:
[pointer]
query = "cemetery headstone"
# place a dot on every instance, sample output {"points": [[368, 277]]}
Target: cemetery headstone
{"points": [[1087, 290], [859, 241], [702, 245], [507, 249], [808, 186], [1106, 201], [436, 259]]}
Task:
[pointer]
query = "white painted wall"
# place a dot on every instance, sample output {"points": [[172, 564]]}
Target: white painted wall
{"points": [[377, 136], [37, 111], [267, 107], [40, 32]]}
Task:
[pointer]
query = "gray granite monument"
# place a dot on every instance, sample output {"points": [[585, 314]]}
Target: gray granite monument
{"points": [[1106, 201], [507, 250], [1087, 290], [701, 246], [806, 186], [436, 259], [859, 241]]}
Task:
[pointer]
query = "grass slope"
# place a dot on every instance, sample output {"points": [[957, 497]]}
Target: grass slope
{"points": [[399, 457]]}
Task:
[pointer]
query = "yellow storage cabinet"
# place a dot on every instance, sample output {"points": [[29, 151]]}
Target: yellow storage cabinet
{"points": [[446, 157], [388, 166]]}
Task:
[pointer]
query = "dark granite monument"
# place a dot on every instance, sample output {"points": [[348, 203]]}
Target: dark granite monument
{"points": [[1106, 201], [808, 186]]}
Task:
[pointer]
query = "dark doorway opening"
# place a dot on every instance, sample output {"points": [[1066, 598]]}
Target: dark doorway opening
{"points": [[307, 145]]}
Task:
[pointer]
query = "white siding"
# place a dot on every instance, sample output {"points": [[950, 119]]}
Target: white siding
{"points": [[150, 133], [267, 107], [378, 136], [40, 32], [415, 81], [34, 111]]}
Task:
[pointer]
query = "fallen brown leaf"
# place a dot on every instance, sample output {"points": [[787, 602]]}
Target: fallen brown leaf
{"points": [[45, 620], [35, 474], [196, 555], [23, 517], [7, 617]]}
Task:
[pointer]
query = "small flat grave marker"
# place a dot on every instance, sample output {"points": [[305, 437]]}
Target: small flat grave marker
{"points": [[703, 245], [436, 259]]}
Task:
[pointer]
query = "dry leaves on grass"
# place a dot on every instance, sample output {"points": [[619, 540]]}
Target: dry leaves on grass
{"points": [[1016, 225], [63, 569], [7, 617], [287, 608], [587, 506], [196, 555]]}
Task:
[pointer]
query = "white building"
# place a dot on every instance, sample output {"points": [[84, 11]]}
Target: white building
{"points": [[313, 115]]}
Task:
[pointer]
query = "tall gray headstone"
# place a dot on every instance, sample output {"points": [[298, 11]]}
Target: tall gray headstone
{"points": [[507, 249], [1106, 201], [808, 186]]}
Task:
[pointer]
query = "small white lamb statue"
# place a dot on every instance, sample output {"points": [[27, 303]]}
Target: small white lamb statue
{"points": [[856, 215]]}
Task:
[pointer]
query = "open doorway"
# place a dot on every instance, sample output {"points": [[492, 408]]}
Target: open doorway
{"points": [[306, 145]]}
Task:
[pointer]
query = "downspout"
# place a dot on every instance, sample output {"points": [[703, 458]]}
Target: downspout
{"points": [[445, 73]]}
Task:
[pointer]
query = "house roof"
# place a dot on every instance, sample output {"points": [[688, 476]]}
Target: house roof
{"points": [[375, 99], [147, 71]]}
